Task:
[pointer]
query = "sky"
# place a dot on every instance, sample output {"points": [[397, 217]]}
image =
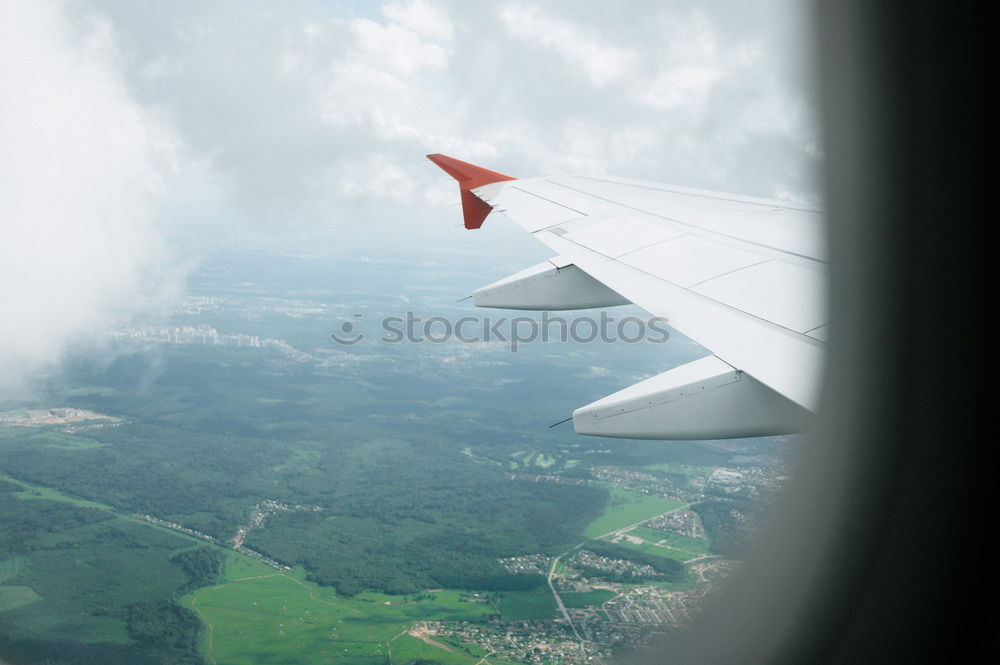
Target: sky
{"points": [[123, 120]]}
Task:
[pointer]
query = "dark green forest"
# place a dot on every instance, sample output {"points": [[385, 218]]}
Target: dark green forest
{"points": [[452, 538], [398, 510], [727, 523], [202, 565], [95, 574]]}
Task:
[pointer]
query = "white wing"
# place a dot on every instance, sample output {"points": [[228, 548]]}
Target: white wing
{"points": [[744, 277]]}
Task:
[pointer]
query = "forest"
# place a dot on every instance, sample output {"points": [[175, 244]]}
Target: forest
{"points": [[389, 512], [727, 523], [397, 518], [66, 554]]}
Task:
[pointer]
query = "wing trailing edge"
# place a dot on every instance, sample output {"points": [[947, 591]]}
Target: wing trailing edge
{"points": [[469, 177], [551, 285], [704, 399]]}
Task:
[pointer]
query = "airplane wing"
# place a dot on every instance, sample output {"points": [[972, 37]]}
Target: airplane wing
{"points": [[744, 277]]}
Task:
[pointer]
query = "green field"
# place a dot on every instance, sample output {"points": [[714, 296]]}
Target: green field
{"points": [[54, 439], [671, 544], [657, 550], [531, 458], [407, 648], [11, 567], [261, 616], [625, 508], [597, 597], [689, 471], [30, 491], [524, 605], [15, 596]]}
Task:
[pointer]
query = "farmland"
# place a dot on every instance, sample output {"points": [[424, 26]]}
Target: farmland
{"points": [[256, 615], [625, 508]]}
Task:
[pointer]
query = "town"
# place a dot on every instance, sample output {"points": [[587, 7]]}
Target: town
{"points": [[624, 616], [67, 419]]}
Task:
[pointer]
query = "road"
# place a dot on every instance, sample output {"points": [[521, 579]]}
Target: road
{"points": [[639, 523], [555, 563], [555, 594]]}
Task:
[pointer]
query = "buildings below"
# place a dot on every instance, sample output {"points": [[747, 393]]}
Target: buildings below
{"points": [[194, 334]]}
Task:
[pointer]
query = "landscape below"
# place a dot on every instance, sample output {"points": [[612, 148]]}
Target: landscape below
{"points": [[232, 487]]}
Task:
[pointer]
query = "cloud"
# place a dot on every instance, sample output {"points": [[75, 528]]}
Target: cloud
{"points": [[290, 107], [120, 116], [580, 46], [412, 37], [81, 165], [422, 17]]}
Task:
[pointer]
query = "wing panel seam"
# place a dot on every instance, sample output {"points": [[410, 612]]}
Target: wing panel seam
{"points": [[693, 226], [561, 205], [764, 203], [730, 272], [784, 329]]}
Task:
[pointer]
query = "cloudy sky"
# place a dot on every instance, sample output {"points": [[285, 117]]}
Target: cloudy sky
{"points": [[120, 118]]}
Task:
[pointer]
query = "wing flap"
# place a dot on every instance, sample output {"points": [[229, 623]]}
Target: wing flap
{"points": [[555, 284], [704, 399]]}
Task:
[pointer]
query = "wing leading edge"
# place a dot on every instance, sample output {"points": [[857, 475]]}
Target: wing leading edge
{"points": [[744, 277]]}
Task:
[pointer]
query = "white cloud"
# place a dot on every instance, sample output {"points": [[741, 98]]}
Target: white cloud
{"points": [[422, 17], [282, 102], [308, 114], [396, 47], [685, 87], [80, 165], [602, 62]]}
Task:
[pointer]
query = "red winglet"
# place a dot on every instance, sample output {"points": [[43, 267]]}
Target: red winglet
{"points": [[469, 176]]}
